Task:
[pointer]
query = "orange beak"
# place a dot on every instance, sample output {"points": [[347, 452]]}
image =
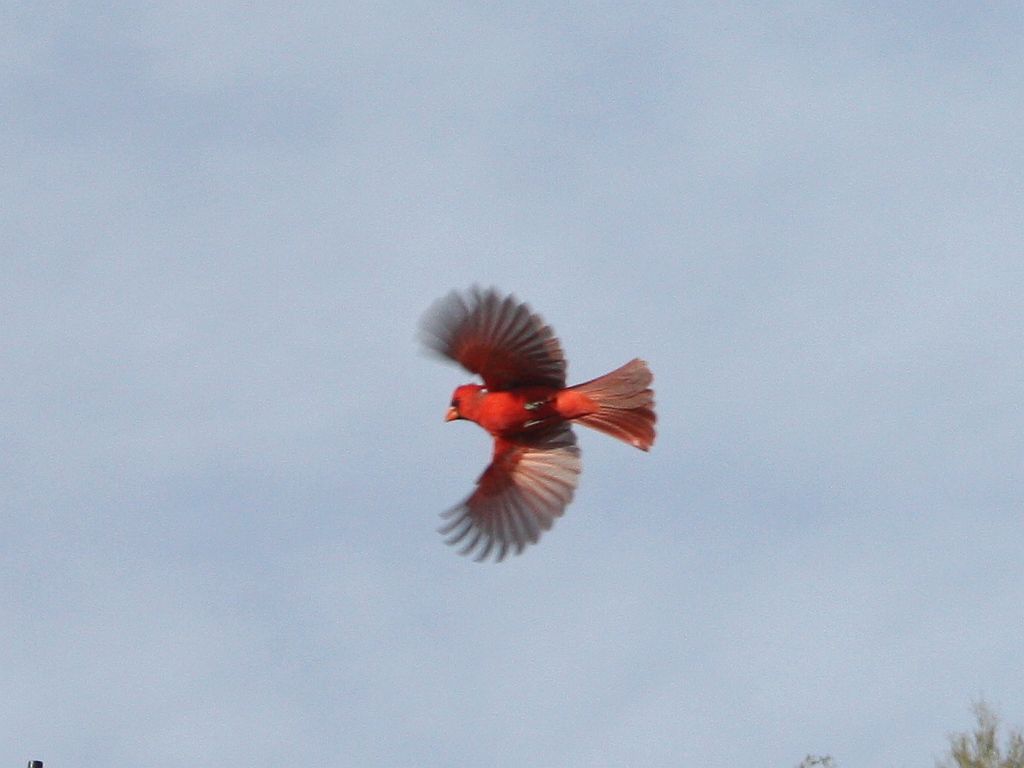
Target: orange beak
{"points": [[452, 415]]}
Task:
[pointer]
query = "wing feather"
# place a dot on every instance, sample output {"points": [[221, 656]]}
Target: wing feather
{"points": [[497, 337], [528, 484]]}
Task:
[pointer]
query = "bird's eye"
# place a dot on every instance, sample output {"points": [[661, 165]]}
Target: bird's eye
{"points": [[455, 402]]}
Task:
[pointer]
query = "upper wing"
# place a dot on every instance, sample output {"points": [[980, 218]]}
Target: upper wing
{"points": [[495, 337], [528, 484]]}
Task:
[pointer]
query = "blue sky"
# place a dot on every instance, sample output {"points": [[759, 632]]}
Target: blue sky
{"points": [[224, 454]]}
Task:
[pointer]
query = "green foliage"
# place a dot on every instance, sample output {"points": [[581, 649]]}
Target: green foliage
{"points": [[981, 749], [824, 761]]}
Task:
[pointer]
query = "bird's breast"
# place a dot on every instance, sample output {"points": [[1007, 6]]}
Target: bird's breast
{"points": [[512, 411]]}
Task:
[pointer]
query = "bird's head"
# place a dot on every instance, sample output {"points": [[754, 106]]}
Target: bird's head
{"points": [[465, 402]]}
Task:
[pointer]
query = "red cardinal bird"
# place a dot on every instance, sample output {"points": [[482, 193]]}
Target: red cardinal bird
{"points": [[526, 407]]}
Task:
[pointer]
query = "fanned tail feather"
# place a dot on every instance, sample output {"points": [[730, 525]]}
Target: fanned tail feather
{"points": [[625, 404]]}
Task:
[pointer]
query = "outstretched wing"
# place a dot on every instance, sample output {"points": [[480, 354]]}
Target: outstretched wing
{"points": [[529, 483], [496, 337]]}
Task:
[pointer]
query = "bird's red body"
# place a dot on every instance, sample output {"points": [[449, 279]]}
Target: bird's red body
{"points": [[514, 411], [526, 407]]}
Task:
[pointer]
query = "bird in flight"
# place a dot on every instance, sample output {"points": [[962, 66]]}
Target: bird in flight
{"points": [[526, 407]]}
